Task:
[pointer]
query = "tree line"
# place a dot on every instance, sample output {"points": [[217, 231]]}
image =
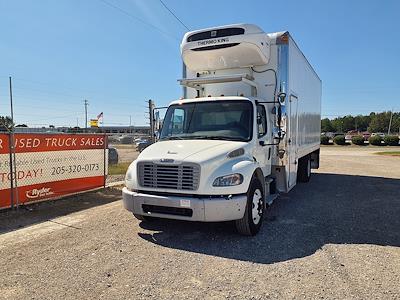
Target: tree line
{"points": [[374, 122]]}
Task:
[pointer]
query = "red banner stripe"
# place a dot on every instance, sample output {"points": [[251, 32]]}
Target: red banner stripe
{"points": [[28, 142], [48, 190]]}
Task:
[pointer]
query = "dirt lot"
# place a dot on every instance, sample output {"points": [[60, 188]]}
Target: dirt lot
{"points": [[337, 237]]}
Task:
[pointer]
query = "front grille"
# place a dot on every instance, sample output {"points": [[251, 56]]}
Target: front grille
{"points": [[178, 177], [176, 211]]}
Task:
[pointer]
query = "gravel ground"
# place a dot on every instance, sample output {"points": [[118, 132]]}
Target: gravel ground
{"points": [[336, 237], [115, 178]]}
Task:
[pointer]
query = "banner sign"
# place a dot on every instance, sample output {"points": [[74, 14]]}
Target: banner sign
{"points": [[94, 123], [51, 165]]}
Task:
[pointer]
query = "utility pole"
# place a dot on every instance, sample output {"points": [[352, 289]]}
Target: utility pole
{"points": [[86, 105], [390, 122], [130, 124], [11, 150], [13, 164]]}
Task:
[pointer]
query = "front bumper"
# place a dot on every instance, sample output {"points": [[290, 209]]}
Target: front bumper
{"points": [[205, 209]]}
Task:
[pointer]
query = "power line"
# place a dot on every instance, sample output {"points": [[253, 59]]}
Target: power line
{"points": [[52, 92], [138, 19], [175, 16], [23, 107]]}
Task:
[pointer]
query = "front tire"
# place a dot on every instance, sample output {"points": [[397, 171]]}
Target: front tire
{"points": [[251, 222]]}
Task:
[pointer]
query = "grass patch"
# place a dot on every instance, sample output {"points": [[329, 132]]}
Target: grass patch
{"points": [[389, 153], [118, 169]]}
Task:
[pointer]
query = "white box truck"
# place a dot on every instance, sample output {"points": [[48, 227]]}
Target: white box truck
{"points": [[246, 129]]}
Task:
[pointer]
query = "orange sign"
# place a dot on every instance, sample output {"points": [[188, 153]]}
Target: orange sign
{"points": [[51, 165]]}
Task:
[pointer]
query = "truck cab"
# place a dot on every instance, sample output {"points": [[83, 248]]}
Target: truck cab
{"points": [[229, 146], [210, 151]]}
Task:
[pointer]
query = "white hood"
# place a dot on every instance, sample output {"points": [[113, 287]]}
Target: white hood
{"points": [[196, 150], [210, 155]]}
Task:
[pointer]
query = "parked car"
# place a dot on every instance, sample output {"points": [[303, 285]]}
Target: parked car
{"points": [[331, 135], [143, 145], [366, 135], [126, 139], [137, 141], [382, 135], [349, 135]]}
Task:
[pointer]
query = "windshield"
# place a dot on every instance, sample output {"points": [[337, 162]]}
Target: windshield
{"points": [[220, 120]]}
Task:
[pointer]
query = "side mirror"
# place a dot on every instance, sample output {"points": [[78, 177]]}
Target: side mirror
{"points": [[156, 135], [278, 134], [281, 97]]}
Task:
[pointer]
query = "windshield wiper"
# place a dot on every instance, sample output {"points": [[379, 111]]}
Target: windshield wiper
{"points": [[215, 137], [203, 137], [226, 138]]}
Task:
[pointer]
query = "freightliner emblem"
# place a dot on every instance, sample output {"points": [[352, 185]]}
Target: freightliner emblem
{"points": [[166, 160]]}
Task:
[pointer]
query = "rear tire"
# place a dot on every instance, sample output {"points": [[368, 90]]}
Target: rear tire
{"points": [[304, 169], [251, 222]]}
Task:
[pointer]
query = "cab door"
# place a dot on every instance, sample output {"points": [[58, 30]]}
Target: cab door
{"points": [[263, 148]]}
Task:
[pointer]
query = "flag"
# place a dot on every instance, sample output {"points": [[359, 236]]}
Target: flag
{"points": [[100, 115]]}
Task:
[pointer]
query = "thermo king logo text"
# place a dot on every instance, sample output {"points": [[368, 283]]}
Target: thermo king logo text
{"points": [[214, 41]]}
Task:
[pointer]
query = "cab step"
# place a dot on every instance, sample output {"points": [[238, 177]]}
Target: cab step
{"points": [[272, 194], [271, 198]]}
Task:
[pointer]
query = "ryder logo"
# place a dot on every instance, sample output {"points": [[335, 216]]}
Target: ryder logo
{"points": [[38, 193]]}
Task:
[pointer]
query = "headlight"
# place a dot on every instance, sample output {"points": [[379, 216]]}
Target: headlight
{"points": [[129, 179], [229, 180], [128, 175]]}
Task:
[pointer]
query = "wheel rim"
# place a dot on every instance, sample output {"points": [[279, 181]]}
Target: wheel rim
{"points": [[309, 168], [257, 206]]}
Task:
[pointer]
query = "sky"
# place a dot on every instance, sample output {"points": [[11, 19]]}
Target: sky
{"points": [[117, 54]]}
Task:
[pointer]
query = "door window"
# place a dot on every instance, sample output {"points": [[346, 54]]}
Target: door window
{"points": [[261, 120], [178, 119]]}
